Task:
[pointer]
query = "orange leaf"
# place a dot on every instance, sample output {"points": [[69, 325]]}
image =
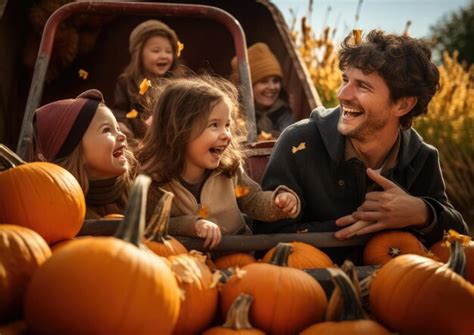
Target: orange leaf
{"points": [[357, 36], [83, 74], [144, 86], [203, 211], [241, 191], [264, 136], [132, 114], [180, 48], [300, 147]]}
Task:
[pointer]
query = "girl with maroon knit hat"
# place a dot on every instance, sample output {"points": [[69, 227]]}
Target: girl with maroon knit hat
{"points": [[83, 136], [154, 50]]}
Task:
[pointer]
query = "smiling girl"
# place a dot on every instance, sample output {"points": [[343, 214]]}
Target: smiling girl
{"points": [[190, 151], [154, 54], [83, 136]]}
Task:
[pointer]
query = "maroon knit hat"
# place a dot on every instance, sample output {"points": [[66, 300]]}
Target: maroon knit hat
{"points": [[60, 125]]}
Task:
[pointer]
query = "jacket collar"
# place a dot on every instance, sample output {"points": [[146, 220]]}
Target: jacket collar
{"points": [[326, 121]]}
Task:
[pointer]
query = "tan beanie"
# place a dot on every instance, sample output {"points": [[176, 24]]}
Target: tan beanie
{"points": [[150, 27], [262, 63]]}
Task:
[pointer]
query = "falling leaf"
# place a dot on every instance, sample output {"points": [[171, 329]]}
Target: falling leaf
{"points": [[264, 136], [83, 74], [132, 114], [144, 86], [300, 147], [180, 48], [452, 236], [357, 36], [239, 273], [241, 191], [203, 212]]}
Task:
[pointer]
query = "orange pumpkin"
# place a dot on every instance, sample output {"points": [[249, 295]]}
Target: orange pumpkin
{"points": [[275, 288], [157, 238], [386, 245], [417, 295], [199, 294], [352, 319], [442, 251], [14, 328], [239, 259], [22, 251], [41, 196], [304, 256], [106, 285], [237, 321]]}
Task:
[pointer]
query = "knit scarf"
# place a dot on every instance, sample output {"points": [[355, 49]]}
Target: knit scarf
{"points": [[264, 123], [104, 191]]}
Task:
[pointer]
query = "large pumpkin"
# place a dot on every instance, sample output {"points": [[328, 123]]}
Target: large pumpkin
{"points": [[105, 285], [156, 235], [412, 294], [41, 196], [239, 259], [287, 300], [352, 319], [386, 245], [304, 256], [22, 251], [237, 321], [200, 296], [441, 249]]}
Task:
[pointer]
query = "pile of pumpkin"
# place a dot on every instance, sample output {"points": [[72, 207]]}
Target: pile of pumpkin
{"points": [[147, 283]]}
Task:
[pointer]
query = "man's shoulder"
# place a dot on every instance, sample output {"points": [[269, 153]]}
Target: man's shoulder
{"points": [[415, 148], [415, 141], [319, 117]]}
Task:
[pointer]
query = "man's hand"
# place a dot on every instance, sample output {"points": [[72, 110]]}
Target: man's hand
{"points": [[209, 231], [287, 203], [391, 208]]}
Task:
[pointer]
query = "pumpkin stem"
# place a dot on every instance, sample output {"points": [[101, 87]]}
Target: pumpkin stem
{"points": [[238, 315], [281, 253], [457, 259], [131, 228], [351, 306], [8, 159], [157, 229], [335, 302]]}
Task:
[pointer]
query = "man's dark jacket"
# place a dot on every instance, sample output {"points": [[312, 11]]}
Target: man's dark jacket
{"points": [[331, 187]]}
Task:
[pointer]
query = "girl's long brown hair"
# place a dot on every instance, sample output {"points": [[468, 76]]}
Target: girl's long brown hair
{"points": [[184, 106]]}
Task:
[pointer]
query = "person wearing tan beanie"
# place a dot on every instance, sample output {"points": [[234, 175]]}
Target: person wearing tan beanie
{"points": [[272, 111], [154, 48]]}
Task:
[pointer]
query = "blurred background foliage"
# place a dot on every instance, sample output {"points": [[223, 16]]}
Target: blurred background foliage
{"points": [[449, 123]]}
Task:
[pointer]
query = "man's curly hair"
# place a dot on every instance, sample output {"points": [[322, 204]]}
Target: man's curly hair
{"points": [[402, 61]]}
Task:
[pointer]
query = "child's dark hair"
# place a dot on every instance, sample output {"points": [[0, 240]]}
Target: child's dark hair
{"points": [[403, 62], [183, 105]]}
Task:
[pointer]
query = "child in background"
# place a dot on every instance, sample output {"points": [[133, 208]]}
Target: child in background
{"points": [[272, 112], [189, 150], [154, 52], [83, 136]]}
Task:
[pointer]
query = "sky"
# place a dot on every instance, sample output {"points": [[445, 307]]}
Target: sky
{"points": [[389, 15]]}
